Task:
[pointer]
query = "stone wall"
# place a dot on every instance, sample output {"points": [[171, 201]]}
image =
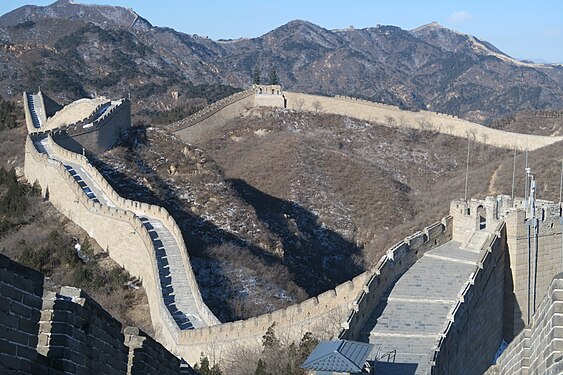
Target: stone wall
{"points": [[268, 96], [145, 209], [21, 290], [222, 110], [422, 120], [27, 114], [217, 114], [474, 329], [66, 332], [389, 269], [534, 260], [478, 214], [538, 349], [79, 336], [98, 136], [146, 356], [118, 231], [51, 106]]}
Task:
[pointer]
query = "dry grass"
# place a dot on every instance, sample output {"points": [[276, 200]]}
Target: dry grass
{"points": [[372, 184], [35, 230], [533, 122]]}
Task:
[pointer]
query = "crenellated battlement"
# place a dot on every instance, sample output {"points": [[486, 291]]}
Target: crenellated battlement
{"points": [[67, 332]]}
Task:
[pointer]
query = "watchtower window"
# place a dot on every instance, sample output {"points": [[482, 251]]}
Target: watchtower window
{"points": [[482, 216]]}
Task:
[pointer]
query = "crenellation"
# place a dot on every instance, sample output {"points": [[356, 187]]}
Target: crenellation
{"points": [[66, 333]]}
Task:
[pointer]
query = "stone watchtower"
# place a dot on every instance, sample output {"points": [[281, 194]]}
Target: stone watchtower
{"points": [[269, 96]]}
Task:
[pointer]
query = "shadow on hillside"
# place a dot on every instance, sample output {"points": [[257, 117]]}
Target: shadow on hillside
{"points": [[318, 257], [194, 230]]}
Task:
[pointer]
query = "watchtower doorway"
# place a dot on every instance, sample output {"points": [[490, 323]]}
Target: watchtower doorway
{"points": [[482, 217]]}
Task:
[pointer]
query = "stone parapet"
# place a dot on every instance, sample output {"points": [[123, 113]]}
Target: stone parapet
{"points": [[397, 260], [67, 332], [538, 349], [462, 348]]}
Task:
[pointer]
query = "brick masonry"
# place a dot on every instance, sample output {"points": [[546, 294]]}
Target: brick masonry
{"points": [[67, 332]]}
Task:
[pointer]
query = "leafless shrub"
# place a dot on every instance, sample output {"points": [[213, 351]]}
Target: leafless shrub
{"points": [[317, 106], [299, 103]]}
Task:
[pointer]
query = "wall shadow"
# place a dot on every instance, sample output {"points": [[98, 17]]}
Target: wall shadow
{"points": [[513, 321], [394, 368], [319, 257]]}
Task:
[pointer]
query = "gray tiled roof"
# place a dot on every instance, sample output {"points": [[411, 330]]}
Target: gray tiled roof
{"points": [[338, 356]]}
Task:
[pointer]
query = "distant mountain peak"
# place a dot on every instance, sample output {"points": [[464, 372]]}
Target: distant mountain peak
{"points": [[69, 9], [434, 26]]}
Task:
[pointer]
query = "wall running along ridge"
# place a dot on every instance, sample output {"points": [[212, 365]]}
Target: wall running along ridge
{"points": [[119, 231], [213, 116], [217, 114]]}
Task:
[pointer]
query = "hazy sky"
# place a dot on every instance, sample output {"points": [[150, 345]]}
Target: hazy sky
{"points": [[521, 28]]}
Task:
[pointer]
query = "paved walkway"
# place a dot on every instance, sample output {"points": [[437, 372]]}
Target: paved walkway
{"points": [[35, 110], [411, 315], [176, 291]]}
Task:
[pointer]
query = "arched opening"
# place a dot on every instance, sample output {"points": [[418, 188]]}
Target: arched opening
{"points": [[273, 91], [482, 217]]}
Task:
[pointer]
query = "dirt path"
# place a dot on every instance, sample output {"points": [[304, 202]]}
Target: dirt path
{"points": [[492, 181]]}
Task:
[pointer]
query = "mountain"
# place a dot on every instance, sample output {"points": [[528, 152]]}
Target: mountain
{"points": [[72, 50], [68, 9]]}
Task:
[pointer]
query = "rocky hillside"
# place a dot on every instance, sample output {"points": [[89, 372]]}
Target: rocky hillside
{"points": [[532, 122], [71, 50], [280, 205]]}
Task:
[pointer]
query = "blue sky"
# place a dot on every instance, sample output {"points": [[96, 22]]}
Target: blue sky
{"points": [[524, 29]]}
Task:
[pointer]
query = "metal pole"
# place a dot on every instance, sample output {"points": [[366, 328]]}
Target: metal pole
{"points": [[529, 270], [527, 176], [467, 166], [513, 173], [561, 182]]}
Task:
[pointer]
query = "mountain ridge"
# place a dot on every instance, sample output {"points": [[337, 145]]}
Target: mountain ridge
{"points": [[430, 67]]}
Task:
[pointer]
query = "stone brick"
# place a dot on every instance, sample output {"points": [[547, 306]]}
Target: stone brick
{"points": [[19, 337], [11, 292], [21, 310], [9, 320], [9, 361]]}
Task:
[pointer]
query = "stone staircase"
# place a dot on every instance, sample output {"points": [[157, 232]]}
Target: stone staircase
{"points": [[412, 313], [176, 291]]}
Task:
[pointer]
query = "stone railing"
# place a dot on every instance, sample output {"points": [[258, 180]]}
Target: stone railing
{"points": [[144, 209], [398, 259], [210, 110], [106, 224], [448, 354]]}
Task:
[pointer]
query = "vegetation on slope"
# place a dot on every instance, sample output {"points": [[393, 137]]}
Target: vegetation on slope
{"points": [[532, 122], [280, 205], [34, 233]]}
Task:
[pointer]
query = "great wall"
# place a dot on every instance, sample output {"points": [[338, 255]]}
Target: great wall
{"points": [[482, 250]]}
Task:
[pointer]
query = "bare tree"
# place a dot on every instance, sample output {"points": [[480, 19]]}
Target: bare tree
{"points": [[390, 120], [424, 124], [317, 106], [299, 103]]}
